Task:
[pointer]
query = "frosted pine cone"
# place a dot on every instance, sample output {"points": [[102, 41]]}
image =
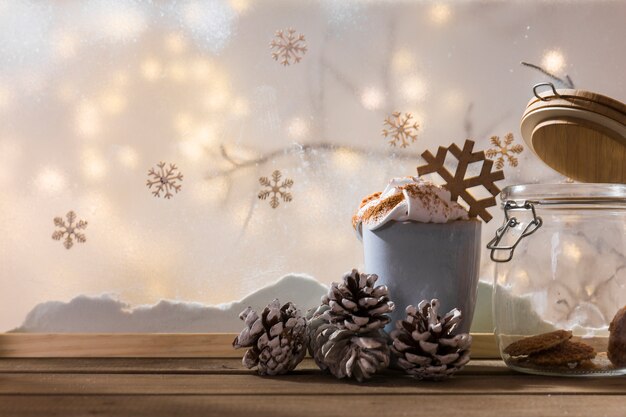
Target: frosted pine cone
{"points": [[343, 352], [424, 343], [355, 304], [316, 327], [277, 339]]}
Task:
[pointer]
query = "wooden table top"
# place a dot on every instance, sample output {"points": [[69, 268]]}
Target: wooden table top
{"points": [[222, 387]]}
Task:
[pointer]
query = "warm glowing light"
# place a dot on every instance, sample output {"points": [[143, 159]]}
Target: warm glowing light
{"points": [[440, 13], [183, 122], [298, 128], [177, 71], [402, 61], [414, 88], [347, 161], [93, 164], [95, 203], [65, 45], [128, 157], [50, 180], [200, 69], [204, 134], [240, 6], [191, 149], [453, 99], [372, 98], [553, 61], [217, 99], [151, 69], [175, 43], [113, 102], [213, 191], [572, 251], [88, 123], [240, 107]]}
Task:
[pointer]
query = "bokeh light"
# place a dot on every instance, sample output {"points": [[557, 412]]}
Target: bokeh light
{"points": [[50, 180], [553, 61], [298, 128], [372, 98], [440, 13], [88, 119], [128, 156]]}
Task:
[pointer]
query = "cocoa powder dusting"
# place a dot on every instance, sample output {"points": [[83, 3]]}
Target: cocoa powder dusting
{"points": [[427, 195], [383, 207], [373, 196]]}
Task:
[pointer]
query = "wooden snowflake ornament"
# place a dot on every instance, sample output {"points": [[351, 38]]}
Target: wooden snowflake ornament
{"points": [[69, 231], [164, 180], [275, 189], [288, 47], [503, 151], [458, 184]]}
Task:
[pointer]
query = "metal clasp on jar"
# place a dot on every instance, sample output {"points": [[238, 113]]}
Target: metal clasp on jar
{"points": [[511, 222]]}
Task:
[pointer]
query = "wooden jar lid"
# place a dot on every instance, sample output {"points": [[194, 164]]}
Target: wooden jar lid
{"points": [[578, 133]]}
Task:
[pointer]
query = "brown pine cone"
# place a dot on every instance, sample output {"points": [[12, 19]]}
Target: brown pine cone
{"points": [[345, 353], [277, 339], [355, 304], [424, 343]]}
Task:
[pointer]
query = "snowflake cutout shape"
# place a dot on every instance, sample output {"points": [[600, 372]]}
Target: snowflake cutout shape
{"points": [[503, 152], [70, 230], [288, 48], [164, 180], [400, 130], [275, 189], [456, 182]]}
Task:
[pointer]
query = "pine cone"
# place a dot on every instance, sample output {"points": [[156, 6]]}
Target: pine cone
{"points": [[424, 344], [355, 304], [316, 328], [277, 339], [343, 352]]}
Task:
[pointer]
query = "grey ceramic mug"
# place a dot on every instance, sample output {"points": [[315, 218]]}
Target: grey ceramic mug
{"points": [[419, 261]]}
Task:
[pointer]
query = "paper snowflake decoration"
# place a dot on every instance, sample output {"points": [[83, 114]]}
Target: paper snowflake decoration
{"points": [[503, 152], [164, 180], [288, 48], [70, 230], [400, 130], [458, 184], [275, 188]]}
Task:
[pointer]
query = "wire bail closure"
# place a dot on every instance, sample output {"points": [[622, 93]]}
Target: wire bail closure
{"points": [[546, 84], [511, 222]]}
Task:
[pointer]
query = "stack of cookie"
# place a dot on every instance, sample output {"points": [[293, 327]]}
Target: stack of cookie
{"points": [[554, 349]]}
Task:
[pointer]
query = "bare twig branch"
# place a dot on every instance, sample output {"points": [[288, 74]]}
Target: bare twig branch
{"points": [[305, 149], [567, 82]]}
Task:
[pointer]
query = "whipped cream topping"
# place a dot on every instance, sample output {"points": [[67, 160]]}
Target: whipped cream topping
{"points": [[408, 199]]}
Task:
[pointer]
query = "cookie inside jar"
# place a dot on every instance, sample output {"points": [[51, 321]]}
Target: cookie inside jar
{"points": [[559, 300]]}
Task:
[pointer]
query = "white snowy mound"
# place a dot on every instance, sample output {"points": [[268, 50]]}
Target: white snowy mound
{"points": [[107, 314]]}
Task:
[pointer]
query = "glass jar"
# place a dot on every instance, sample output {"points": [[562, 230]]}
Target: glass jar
{"points": [[561, 279]]}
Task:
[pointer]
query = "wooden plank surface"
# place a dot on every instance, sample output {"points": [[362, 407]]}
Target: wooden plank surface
{"points": [[181, 366], [313, 406], [97, 345], [298, 383], [222, 387], [152, 345]]}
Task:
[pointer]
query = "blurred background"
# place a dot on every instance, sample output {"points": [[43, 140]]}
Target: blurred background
{"points": [[95, 93]]}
